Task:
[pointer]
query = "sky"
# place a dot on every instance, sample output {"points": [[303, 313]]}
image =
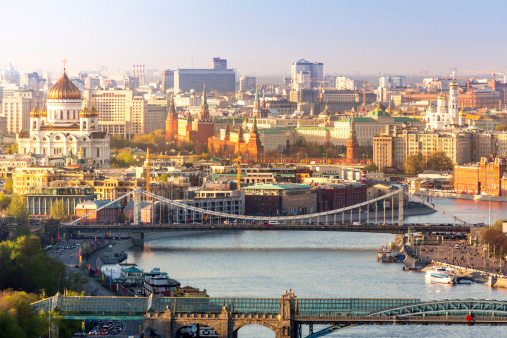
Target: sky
{"points": [[256, 37]]}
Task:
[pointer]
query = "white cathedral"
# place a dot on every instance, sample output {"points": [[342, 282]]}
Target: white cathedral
{"points": [[64, 127], [447, 113]]}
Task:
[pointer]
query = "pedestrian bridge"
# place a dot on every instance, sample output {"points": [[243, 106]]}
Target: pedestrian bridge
{"points": [[362, 217], [285, 315]]}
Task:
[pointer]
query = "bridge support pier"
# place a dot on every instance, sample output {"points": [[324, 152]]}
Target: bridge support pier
{"points": [[138, 238]]}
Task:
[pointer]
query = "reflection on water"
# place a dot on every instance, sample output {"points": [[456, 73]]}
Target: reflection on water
{"points": [[313, 264]]}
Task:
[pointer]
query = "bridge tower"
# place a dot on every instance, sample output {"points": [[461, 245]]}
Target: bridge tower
{"points": [[400, 206]]}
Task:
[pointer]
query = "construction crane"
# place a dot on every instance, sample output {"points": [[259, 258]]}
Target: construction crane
{"points": [[148, 170], [238, 173]]}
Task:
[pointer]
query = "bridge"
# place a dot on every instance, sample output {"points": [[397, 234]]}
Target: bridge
{"points": [[362, 217], [285, 316]]}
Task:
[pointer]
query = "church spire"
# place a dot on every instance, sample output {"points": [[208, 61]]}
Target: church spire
{"points": [[204, 114]]}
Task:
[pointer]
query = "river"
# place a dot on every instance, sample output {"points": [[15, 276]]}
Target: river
{"points": [[315, 264]]}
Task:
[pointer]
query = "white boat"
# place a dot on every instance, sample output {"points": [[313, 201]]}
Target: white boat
{"points": [[441, 275]]}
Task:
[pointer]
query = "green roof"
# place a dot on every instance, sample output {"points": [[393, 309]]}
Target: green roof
{"points": [[277, 186], [405, 119], [379, 113], [132, 269], [273, 130], [315, 128], [228, 119], [357, 120]]}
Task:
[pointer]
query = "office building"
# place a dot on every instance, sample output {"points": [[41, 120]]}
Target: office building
{"points": [[16, 109], [125, 112], [167, 80], [219, 63], [218, 80], [247, 83], [307, 74]]}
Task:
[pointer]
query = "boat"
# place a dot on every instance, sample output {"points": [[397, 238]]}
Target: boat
{"points": [[440, 275], [385, 255]]}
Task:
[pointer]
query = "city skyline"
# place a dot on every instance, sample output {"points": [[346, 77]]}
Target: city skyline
{"points": [[256, 38]]}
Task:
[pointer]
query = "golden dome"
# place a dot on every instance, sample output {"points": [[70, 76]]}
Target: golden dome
{"points": [[453, 83], [42, 111], [462, 113], [442, 97], [84, 113], [93, 112], [64, 89], [35, 112]]}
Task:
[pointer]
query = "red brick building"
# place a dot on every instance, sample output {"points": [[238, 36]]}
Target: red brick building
{"points": [[171, 123], [352, 144], [483, 178], [110, 214], [336, 196]]}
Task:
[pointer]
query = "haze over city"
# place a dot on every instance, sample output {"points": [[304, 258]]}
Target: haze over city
{"points": [[258, 37]]}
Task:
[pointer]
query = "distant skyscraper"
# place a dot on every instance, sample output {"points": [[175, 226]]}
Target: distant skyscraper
{"points": [[219, 63], [304, 71], [167, 79], [247, 83], [220, 80]]}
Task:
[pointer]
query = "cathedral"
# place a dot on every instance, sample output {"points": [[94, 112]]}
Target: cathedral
{"points": [[446, 113], [64, 125]]}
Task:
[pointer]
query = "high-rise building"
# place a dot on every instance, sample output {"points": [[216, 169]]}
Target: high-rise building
{"points": [[167, 80], [219, 80], [219, 63], [124, 112], [304, 71], [247, 83], [17, 109], [392, 81], [131, 83]]}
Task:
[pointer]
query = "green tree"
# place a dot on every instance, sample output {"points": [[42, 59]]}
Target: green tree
{"points": [[12, 148], [8, 185], [125, 159], [370, 167], [4, 201], [499, 224], [414, 164], [58, 211], [17, 313], [205, 156], [163, 178], [18, 209], [501, 127], [439, 161]]}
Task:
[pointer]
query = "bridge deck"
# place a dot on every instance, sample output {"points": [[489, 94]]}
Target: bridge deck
{"points": [[392, 229]]}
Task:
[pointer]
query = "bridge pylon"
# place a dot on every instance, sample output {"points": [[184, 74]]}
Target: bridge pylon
{"points": [[137, 206], [400, 206]]}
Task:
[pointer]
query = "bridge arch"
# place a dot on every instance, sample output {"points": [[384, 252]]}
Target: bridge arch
{"points": [[253, 326], [451, 307], [179, 327]]}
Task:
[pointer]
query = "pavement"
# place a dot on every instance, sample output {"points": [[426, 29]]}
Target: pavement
{"points": [[69, 257], [464, 255]]}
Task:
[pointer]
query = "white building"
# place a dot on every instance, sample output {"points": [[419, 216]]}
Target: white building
{"points": [[447, 112], [65, 125]]}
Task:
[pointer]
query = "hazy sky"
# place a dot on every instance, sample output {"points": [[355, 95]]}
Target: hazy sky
{"points": [[255, 36]]}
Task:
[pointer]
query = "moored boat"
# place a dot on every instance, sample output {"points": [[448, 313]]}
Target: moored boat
{"points": [[436, 274]]}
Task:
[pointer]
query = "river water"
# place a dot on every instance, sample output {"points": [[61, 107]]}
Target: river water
{"points": [[315, 264]]}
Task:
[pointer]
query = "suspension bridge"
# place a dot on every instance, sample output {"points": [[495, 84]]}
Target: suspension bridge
{"points": [[362, 217], [286, 316]]}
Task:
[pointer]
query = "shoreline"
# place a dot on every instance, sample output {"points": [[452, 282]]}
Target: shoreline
{"points": [[467, 197]]}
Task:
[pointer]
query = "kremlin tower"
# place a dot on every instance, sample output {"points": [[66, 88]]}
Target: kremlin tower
{"points": [[171, 123], [352, 145]]}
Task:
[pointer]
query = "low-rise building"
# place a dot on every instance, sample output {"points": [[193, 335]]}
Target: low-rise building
{"points": [[109, 214], [39, 200], [280, 199]]}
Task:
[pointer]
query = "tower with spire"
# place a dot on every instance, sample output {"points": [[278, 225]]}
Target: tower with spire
{"points": [[171, 123], [254, 146], [205, 126], [257, 110], [352, 144], [453, 103]]}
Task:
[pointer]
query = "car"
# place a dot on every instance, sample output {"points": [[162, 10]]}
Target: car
{"points": [[76, 266], [115, 332], [104, 332]]}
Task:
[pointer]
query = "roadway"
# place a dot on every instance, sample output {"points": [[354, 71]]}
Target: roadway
{"points": [[378, 228]]}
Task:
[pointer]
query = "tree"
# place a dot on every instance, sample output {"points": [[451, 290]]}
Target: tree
{"points": [[370, 167], [414, 164], [439, 160], [8, 185], [18, 209], [19, 316], [163, 178], [125, 159], [4, 201], [12, 148], [499, 224], [58, 211], [501, 127]]}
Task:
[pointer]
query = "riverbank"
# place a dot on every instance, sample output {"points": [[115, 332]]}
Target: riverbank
{"points": [[477, 276], [450, 195]]}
